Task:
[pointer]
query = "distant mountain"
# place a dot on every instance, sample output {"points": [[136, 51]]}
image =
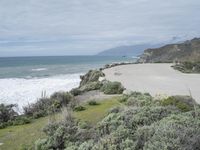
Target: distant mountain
{"points": [[132, 50], [186, 51]]}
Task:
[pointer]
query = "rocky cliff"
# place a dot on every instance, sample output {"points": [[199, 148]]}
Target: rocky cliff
{"points": [[186, 51]]}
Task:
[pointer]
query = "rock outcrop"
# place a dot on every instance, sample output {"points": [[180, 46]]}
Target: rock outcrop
{"points": [[186, 51]]}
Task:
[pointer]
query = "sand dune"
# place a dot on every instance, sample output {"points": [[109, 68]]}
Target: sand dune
{"points": [[155, 79]]}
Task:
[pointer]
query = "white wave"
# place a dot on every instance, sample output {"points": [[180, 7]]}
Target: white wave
{"points": [[24, 91], [39, 69]]}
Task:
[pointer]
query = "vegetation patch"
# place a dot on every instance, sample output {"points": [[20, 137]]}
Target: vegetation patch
{"points": [[9, 117], [188, 67], [79, 108], [45, 106], [138, 122], [93, 102], [89, 81], [24, 136], [17, 137], [138, 126], [94, 113], [112, 88], [183, 103]]}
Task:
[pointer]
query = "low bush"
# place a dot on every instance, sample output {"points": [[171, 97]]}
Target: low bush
{"points": [[112, 88], [83, 125], [79, 108], [188, 67], [9, 117], [93, 102], [184, 103], [76, 91], [13, 120], [139, 100], [20, 120], [141, 126], [38, 109], [91, 86], [45, 106], [96, 85], [174, 132], [123, 98], [63, 98], [7, 113]]}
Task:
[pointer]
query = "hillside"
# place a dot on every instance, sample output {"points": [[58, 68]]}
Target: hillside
{"points": [[186, 51], [132, 50]]}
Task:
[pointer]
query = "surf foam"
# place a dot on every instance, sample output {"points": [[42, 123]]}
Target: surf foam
{"points": [[25, 91]]}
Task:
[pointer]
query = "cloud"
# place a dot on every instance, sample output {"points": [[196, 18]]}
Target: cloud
{"points": [[88, 26]]}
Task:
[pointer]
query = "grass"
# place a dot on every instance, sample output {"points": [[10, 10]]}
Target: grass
{"points": [[15, 137], [94, 113]]}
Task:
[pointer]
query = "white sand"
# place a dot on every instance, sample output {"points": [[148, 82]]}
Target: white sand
{"points": [[155, 79]]}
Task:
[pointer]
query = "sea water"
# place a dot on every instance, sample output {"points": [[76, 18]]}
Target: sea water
{"points": [[23, 79]]}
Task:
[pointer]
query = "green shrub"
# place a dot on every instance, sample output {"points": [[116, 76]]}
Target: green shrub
{"points": [[112, 88], [3, 125], [142, 125], [123, 98], [96, 85], [7, 113], [188, 67], [93, 102], [83, 125], [39, 114], [116, 109], [41, 144], [137, 99], [21, 120], [76, 92], [79, 108], [140, 100], [25, 147], [175, 132], [9, 117], [59, 135], [63, 98], [184, 103], [87, 145], [91, 86], [45, 106]]}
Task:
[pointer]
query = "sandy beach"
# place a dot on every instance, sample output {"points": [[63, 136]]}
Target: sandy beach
{"points": [[155, 79]]}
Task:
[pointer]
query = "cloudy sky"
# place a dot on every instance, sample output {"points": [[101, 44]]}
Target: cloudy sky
{"points": [[74, 27]]}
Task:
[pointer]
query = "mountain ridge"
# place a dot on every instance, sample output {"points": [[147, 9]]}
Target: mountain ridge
{"points": [[185, 51], [128, 50]]}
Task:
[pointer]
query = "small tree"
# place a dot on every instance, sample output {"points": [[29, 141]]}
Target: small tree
{"points": [[7, 112]]}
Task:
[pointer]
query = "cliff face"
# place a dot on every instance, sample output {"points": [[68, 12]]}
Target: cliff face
{"points": [[187, 51]]}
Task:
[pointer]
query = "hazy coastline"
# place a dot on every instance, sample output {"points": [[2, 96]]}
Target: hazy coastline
{"points": [[23, 79]]}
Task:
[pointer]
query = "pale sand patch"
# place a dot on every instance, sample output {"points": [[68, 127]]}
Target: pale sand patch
{"points": [[155, 79]]}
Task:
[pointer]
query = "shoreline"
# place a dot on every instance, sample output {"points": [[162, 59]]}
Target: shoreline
{"points": [[144, 79], [156, 79]]}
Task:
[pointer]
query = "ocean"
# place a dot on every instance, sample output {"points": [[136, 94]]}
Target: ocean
{"points": [[23, 79]]}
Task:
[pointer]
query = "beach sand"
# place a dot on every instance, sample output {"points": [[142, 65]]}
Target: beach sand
{"points": [[156, 79]]}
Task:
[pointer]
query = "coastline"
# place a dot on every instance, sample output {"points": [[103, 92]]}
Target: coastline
{"points": [[155, 78], [23, 92], [23, 83]]}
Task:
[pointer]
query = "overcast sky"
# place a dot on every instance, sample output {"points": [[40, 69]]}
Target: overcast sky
{"points": [[75, 27]]}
